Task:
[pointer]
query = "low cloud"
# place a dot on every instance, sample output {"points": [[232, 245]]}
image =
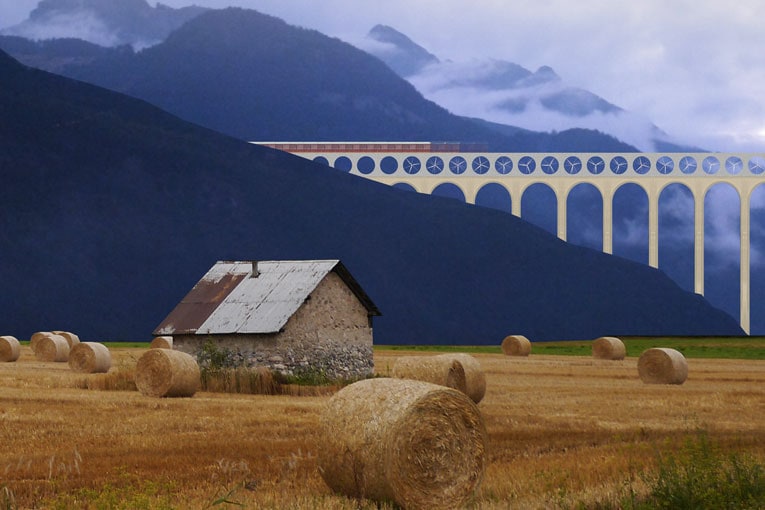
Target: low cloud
{"points": [[694, 69], [375, 47], [82, 25], [522, 106]]}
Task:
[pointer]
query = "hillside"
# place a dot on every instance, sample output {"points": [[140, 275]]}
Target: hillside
{"points": [[111, 209], [254, 77]]}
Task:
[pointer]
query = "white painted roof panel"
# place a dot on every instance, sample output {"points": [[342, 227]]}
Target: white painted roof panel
{"points": [[263, 304]]}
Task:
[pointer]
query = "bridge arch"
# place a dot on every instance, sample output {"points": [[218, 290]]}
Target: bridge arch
{"points": [[535, 201], [723, 263], [496, 196], [405, 186], [676, 209], [629, 222], [585, 206], [449, 190]]}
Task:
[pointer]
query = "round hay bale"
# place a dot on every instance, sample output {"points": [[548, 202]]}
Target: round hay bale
{"points": [[516, 345], [418, 444], [161, 342], [90, 358], [36, 337], [10, 348], [608, 347], [441, 370], [71, 338], [661, 365], [167, 373], [52, 348], [475, 379]]}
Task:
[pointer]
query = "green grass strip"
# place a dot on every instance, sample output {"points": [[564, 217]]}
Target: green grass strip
{"points": [[691, 347]]}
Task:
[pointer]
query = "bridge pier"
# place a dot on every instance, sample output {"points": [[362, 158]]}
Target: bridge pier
{"points": [[608, 220], [698, 241], [745, 308]]}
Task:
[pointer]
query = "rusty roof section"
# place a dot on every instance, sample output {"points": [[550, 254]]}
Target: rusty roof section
{"points": [[230, 299]]}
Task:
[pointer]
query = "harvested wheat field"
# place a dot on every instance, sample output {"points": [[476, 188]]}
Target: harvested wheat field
{"points": [[563, 432]]}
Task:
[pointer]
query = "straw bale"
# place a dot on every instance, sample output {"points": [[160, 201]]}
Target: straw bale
{"points": [[10, 348], [516, 345], [417, 444], [661, 365], [161, 342], [90, 358], [36, 337], [167, 373], [444, 371], [52, 347], [475, 379], [608, 347], [71, 338]]}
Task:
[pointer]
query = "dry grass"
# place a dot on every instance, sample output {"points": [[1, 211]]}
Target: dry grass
{"points": [[562, 430]]}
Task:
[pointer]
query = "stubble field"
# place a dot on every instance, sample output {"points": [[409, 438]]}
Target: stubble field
{"points": [[564, 432]]}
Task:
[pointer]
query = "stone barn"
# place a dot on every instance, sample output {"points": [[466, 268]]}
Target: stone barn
{"points": [[295, 317]]}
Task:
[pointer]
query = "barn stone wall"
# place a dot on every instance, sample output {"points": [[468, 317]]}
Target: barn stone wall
{"points": [[331, 334]]}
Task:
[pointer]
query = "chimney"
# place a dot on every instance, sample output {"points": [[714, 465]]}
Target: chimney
{"points": [[255, 272]]}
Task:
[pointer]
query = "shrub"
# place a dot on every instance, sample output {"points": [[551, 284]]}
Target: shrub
{"points": [[213, 358]]}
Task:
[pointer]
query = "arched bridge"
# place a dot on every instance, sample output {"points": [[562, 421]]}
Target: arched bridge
{"points": [[424, 166]]}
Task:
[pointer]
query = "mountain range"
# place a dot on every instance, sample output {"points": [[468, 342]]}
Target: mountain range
{"points": [[103, 22], [231, 69], [111, 209], [507, 93]]}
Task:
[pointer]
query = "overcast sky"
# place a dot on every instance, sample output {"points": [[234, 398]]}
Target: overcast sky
{"points": [[694, 67]]}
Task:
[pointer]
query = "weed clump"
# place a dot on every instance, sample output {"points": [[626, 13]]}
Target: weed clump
{"points": [[7, 499], [700, 476]]}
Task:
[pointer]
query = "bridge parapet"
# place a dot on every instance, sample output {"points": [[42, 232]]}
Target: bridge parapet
{"points": [[547, 165]]}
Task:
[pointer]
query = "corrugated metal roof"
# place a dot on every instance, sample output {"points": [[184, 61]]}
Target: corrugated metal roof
{"points": [[228, 299]]}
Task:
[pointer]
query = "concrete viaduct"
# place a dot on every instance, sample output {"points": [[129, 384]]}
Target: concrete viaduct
{"points": [[424, 165]]}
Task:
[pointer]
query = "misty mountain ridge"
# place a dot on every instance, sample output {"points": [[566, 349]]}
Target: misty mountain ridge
{"points": [[507, 93], [497, 91], [401, 53], [243, 73], [103, 22], [138, 204]]}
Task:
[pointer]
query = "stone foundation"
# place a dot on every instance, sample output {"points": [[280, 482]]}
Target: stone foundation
{"points": [[351, 362]]}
